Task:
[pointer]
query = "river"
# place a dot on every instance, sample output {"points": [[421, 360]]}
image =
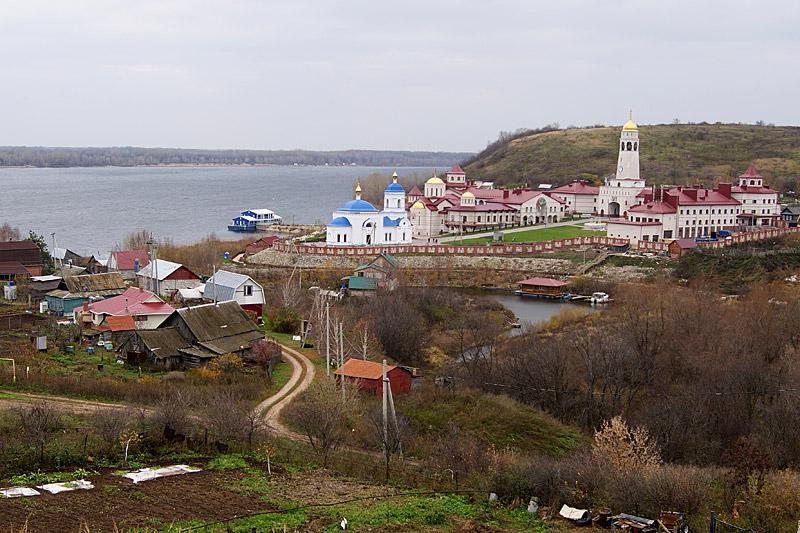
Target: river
{"points": [[91, 209], [533, 310]]}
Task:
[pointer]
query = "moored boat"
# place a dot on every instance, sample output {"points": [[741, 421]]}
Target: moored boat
{"points": [[263, 217], [243, 224]]}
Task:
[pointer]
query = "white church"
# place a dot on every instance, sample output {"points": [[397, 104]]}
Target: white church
{"points": [[359, 223]]}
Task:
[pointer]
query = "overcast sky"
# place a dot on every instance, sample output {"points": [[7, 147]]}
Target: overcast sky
{"points": [[411, 74]]}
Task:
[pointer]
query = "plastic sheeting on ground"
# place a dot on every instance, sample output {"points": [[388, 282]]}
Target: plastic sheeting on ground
{"points": [[18, 492], [55, 488], [146, 474]]}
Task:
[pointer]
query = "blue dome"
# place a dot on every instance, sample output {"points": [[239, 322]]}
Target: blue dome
{"points": [[394, 187], [358, 206], [341, 222]]}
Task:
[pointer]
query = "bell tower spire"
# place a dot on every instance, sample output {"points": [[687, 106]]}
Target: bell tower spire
{"points": [[628, 161]]}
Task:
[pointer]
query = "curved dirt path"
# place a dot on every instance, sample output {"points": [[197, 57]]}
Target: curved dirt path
{"points": [[303, 372], [74, 405]]}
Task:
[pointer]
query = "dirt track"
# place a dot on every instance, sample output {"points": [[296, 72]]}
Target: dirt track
{"points": [[302, 376]]}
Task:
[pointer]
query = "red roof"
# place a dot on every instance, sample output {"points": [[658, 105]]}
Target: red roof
{"points": [[456, 169], [652, 207], [125, 259], [577, 187], [359, 368], [543, 282], [117, 323], [261, 244], [27, 244], [626, 222], [414, 191], [481, 208], [134, 301], [13, 267], [751, 172]]}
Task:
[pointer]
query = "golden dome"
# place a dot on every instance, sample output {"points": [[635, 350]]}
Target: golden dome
{"points": [[630, 126], [418, 205], [358, 187], [467, 195], [435, 181]]}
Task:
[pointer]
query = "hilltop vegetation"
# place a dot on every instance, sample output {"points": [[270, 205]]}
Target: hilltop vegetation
{"points": [[129, 156], [675, 154]]}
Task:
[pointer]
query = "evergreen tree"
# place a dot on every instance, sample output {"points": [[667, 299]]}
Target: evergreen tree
{"points": [[47, 259]]}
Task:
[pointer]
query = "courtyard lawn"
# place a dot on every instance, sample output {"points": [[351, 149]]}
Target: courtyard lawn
{"points": [[537, 234]]}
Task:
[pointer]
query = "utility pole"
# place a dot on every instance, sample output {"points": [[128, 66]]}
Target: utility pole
{"points": [[385, 390], [214, 283], [394, 417], [341, 355], [327, 338]]}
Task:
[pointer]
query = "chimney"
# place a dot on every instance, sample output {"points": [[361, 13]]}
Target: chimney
{"points": [[505, 193], [724, 189]]}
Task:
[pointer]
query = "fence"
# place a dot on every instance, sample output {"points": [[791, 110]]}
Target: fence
{"points": [[448, 249], [739, 238]]}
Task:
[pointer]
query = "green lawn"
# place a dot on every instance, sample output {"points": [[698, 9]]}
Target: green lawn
{"points": [[537, 235], [82, 362]]}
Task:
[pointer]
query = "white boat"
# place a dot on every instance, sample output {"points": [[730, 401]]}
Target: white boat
{"points": [[263, 217], [599, 298]]}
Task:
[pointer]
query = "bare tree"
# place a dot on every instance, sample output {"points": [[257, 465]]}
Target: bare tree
{"points": [[229, 417], [109, 425], [323, 413], [172, 413], [9, 233], [38, 422]]}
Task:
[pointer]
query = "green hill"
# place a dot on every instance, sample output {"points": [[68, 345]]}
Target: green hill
{"points": [[670, 153]]}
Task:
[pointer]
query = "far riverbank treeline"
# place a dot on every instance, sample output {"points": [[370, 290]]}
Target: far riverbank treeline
{"points": [[129, 156]]}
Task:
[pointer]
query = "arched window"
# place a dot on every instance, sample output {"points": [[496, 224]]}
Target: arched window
{"points": [[630, 145], [622, 145], [398, 202], [338, 237], [635, 146]]}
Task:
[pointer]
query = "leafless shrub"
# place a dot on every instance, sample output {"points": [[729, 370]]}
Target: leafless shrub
{"points": [[38, 422], [323, 414], [110, 424]]}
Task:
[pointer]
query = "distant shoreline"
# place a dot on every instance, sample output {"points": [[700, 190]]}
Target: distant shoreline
{"points": [[214, 165]]}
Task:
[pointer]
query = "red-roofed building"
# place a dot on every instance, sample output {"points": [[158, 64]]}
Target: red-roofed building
{"points": [[147, 310], [456, 177], [261, 244], [760, 205], [20, 258], [368, 376], [128, 262], [580, 196], [542, 287]]}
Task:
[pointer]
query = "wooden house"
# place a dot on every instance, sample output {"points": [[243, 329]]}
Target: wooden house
{"points": [[165, 278], [213, 330], [20, 258], [74, 291], [128, 262], [542, 288], [379, 273], [160, 346], [368, 376]]}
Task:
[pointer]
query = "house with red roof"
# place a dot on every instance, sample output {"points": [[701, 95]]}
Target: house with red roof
{"points": [[20, 258], [368, 376], [542, 287], [128, 262], [145, 309]]}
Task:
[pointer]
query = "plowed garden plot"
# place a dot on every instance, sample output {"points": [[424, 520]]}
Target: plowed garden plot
{"points": [[118, 502]]}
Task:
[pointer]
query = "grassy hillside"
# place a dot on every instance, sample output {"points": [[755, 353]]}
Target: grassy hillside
{"points": [[676, 154]]}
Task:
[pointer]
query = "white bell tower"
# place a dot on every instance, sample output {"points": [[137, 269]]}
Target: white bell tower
{"points": [[628, 161]]}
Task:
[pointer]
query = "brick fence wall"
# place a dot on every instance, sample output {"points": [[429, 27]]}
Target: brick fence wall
{"points": [[748, 236], [449, 249]]}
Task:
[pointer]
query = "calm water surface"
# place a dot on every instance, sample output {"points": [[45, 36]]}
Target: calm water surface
{"points": [[91, 209], [533, 310]]}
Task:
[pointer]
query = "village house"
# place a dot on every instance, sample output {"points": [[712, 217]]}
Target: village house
{"points": [[160, 346], [261, 244], [146, 310], [74, 291], [213, 330], [165, 278], [379, 273], [39, 286], [790, 215], [20, 259], [368, 376], [226, 286], [115, 329], [128, 262]]}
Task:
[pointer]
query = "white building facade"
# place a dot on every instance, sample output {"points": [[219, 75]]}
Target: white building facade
{"points": [[359, 223]]}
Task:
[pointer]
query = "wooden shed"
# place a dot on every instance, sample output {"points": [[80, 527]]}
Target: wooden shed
{"points": [[678, 247], [368, 376]]}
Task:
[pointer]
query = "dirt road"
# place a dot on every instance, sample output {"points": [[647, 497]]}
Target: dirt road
{"points": [[302, 376]]}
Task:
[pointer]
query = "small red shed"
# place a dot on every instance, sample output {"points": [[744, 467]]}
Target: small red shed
{"points": [[369, 376]]}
